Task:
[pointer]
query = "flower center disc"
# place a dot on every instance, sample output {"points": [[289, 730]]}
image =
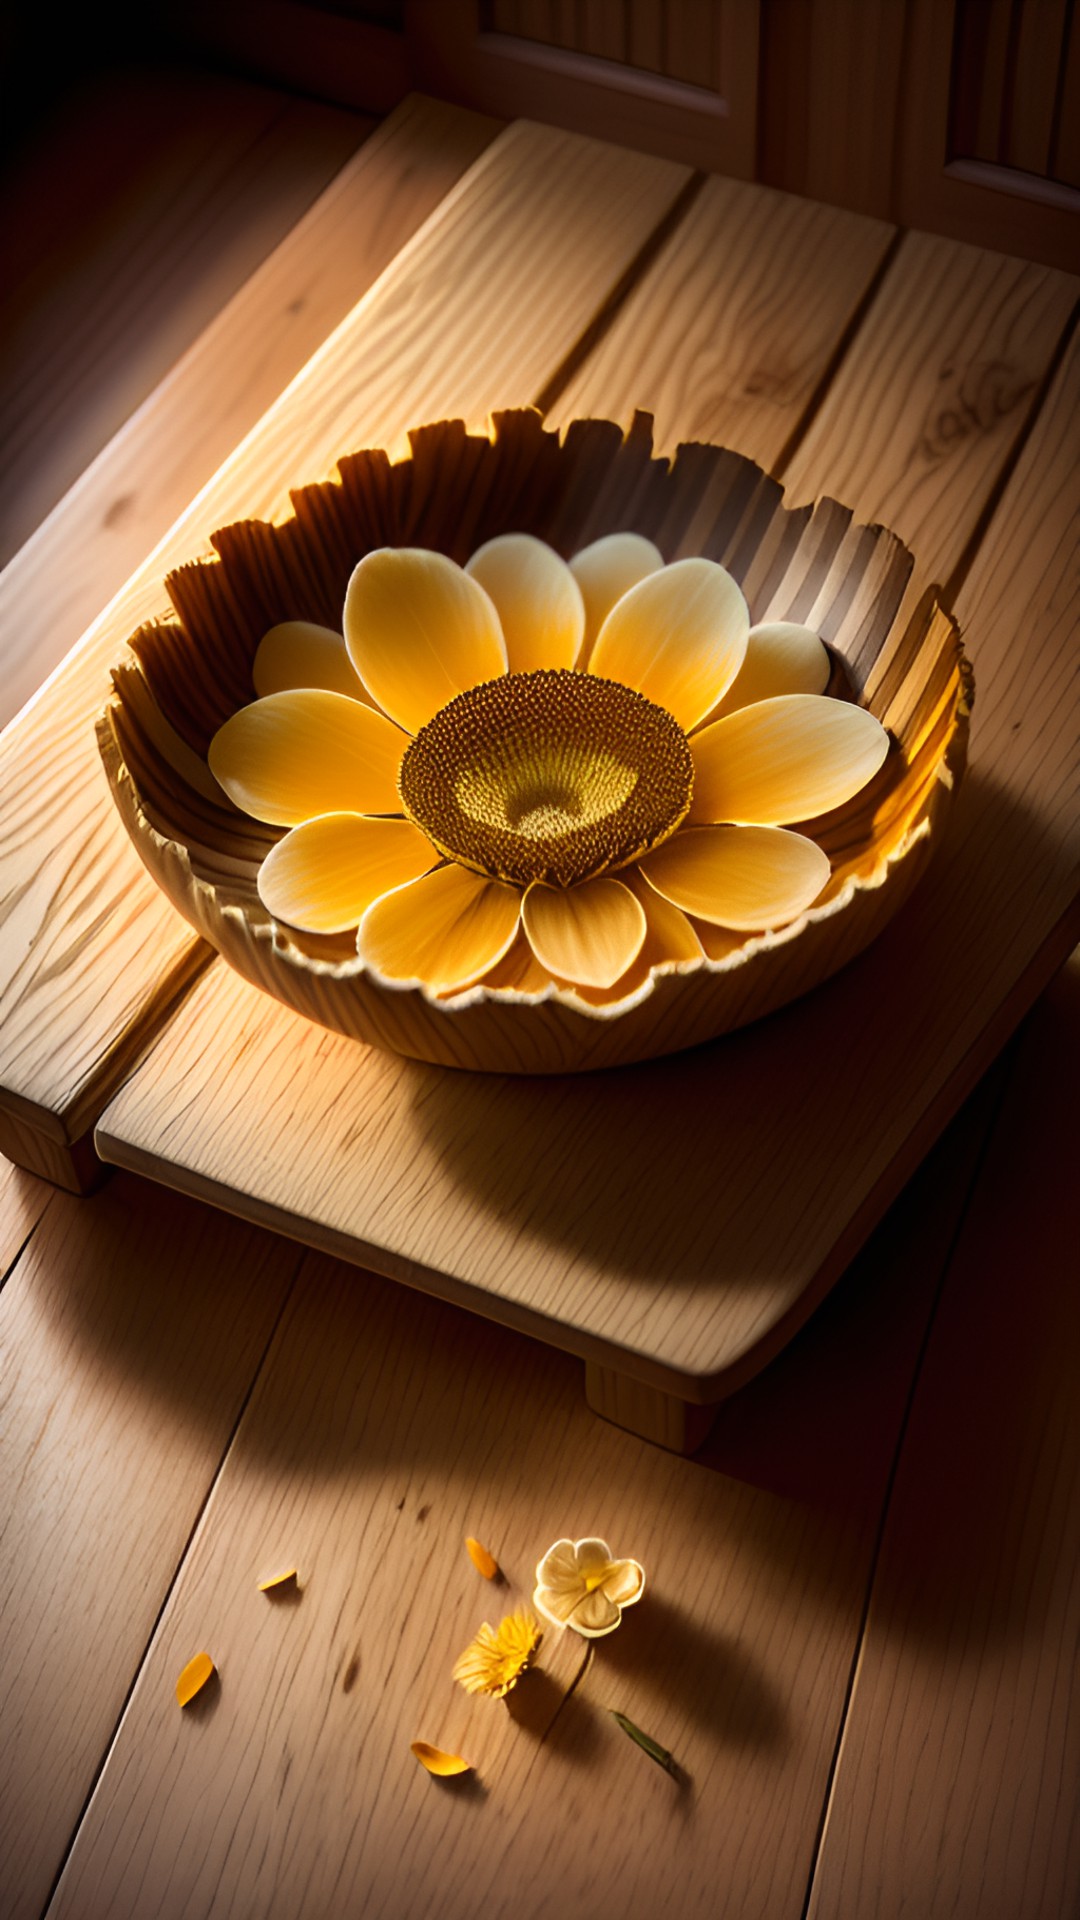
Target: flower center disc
{"points": [[552, 775]]}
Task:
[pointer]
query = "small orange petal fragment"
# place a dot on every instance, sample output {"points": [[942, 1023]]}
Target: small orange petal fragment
{"points": [[194, 1678], [482, 1560], [434, 1760], [287, 1577]]}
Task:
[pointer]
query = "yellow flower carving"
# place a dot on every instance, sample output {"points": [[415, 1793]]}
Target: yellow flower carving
{"points": [[495, 1661], [525, 771], [579, 1584]]}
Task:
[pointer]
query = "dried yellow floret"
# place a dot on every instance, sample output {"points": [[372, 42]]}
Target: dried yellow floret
{"points": [[434, 1760], [482, 1560]]}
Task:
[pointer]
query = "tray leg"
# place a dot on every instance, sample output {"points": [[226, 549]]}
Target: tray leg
{"points": [[646, 1411]]}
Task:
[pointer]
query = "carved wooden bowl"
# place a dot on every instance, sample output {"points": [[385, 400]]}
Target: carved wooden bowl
{"points": [[183, 678]]}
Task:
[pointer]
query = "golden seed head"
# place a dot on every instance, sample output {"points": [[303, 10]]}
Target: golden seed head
{"points": [[553, 775]]}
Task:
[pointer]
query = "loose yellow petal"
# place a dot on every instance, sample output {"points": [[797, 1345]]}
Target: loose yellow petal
{"points": [[325, 874], [286, 1578], [300, 654], [678, 637], [742, 877], [589, 934], [482, 1560], [780, 658], [434, 1760], [607, 570], [193, 1679], [295, 755], [784, 759], [419, 631], [536, 597], [443, 931]]}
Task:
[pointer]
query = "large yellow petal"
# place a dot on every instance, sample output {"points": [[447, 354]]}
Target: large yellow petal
{"points": [[294, 755], [325, 874], [669, 941], [679, 637], [443, 931], [419, 631], [784, 759], [607, 570], [742, 877], [588, 934], [297, 653], [780, 658], [536, 597]]}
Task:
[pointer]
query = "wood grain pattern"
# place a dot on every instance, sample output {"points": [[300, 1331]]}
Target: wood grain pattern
{"points": [[438, 335], [382, 1431], [956, 1788], [670, 1251], [23, 1200], [731, 331], [966, 336], [127, 499], [131, 279], [131, 1329]]}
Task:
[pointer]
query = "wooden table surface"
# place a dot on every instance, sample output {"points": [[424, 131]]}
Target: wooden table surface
{"points": [[863, 1600]]}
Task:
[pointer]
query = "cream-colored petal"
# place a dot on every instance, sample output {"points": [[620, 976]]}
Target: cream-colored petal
{"points": [[743, 877], [536, 597], [588, 934], [678, 637], [299, 654], [784, 759], [557, 1604], [419, 631], [592, 1555], [443, 931], [780, 658], [559, 1568], [595, 1615], [625, 1584], [607, 570], [294, 755], [325, 874]]}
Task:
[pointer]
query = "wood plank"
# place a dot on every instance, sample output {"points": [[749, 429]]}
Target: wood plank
{"points": [[956, 1787], [731, 331], [382, 1430], [224, 170], [91, 946], [128, 498], [131, 1328], [967, 337], [670, 1253]]}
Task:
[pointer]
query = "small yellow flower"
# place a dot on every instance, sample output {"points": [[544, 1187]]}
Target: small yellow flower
{"points": [[579, 1584], [495, 1661]]}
